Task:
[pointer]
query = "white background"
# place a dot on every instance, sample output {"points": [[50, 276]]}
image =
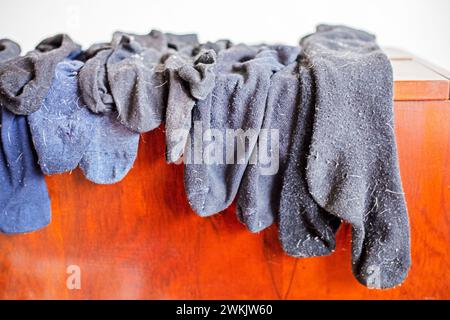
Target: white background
{"points": [[419, 26]]}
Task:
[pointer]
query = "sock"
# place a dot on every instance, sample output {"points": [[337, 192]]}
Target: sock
{"points": [[162, 42], [154, 39], [189, 80], [126, 76], [137, 85], [217, 46], [259, 193], [237, 102], [8, 49], [179, 109], [352, 168], [112, 150], [182, 43], [24, 81], [92, 79], [285, 54], [62, 128], [305, 229], [201, 74], [24, 200], [95, 48]]}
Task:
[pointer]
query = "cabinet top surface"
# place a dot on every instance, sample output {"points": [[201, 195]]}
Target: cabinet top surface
{"points": [[416, 79]]}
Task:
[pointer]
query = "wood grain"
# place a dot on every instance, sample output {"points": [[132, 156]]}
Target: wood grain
{"points": [[139, 239]]}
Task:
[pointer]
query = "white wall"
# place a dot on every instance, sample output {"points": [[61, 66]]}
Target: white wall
{"points": [[420, 26]]}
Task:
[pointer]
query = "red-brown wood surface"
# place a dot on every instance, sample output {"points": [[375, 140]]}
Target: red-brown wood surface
{"points": [[139, 238]]}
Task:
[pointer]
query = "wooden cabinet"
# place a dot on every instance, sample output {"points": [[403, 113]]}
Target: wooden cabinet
{"points": [[140, 239]]}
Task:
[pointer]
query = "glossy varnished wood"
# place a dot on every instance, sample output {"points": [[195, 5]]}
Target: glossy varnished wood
{"points": [[139, 238]]}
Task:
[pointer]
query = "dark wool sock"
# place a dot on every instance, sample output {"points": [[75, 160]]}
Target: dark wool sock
{"points": [[112, 150], [200, 75], [189, 80], [8, 49], [305, 229], [137, 84], [182, 43], [24, 81], [24, 200], [286, 54], [352, 168], [92, 79], [62, 128], [179, 109], [154, 40], [238, 101], [259, 193], [162, 42], [90, 52], [217, 46]]}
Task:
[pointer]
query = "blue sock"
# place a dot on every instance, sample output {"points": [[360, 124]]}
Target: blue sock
{"points": [[112, 151], [24, 200], [62, 128]]}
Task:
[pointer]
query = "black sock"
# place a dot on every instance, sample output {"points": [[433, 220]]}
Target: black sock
{"points": [[237, 102], [259, 193], [352, 167], [305, 229]]}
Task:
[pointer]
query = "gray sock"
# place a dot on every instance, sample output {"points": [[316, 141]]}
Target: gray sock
{"points": [[237, 102], [137, 84], [259, 194], [190, 79], [182, 43], [127, 76], [352, 168], [305, 229], [179, 108], [154, 39], [24, 81], [93, 81], [161, 41], [8, 49], [217, 46], [200, 75], [62, 128]]}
